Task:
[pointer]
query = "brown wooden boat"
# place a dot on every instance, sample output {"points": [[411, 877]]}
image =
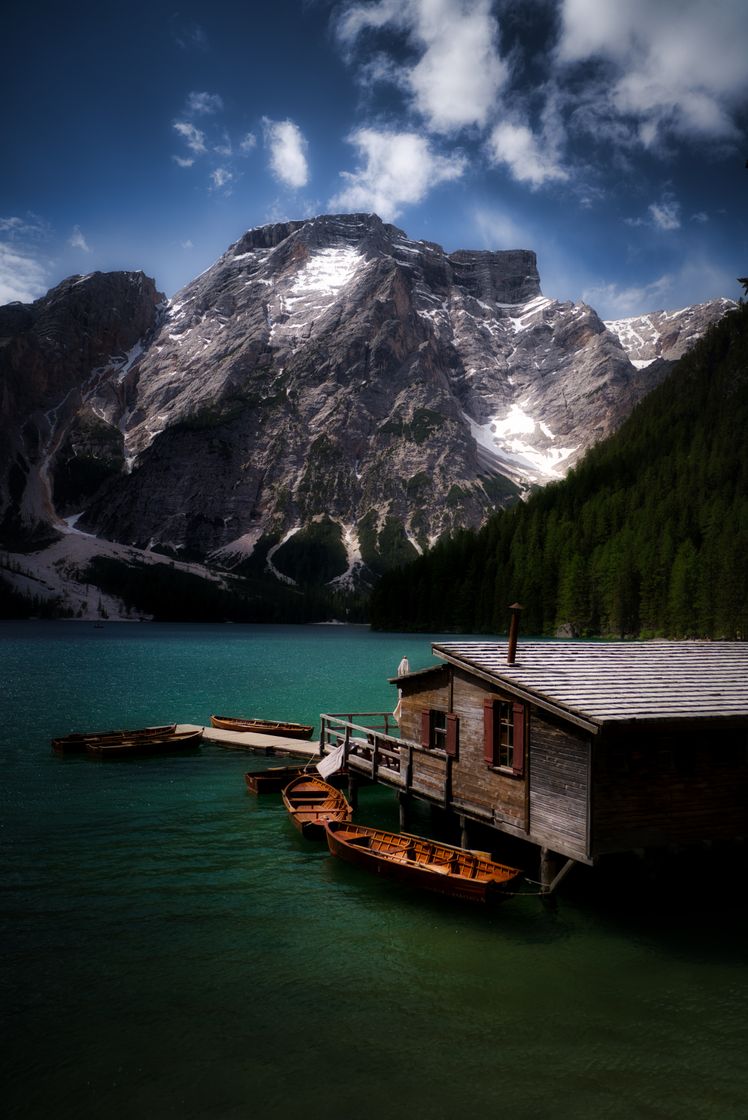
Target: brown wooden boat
{"points": [[418, 862], [272, 780], [137, 747], [312, 803], [276, 778], [80, 741], [263, 726]]}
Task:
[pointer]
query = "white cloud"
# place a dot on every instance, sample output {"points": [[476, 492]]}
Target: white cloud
{"points": [[665, 214], [396, 169], [181, 161], [204, 104], [675, 67], [187, 244], [288, 148], [78, 241], [459, 73], [695, 281], [248, 142], [22, 277], [221, 176], [193, 137], [224, 148], [529, 160], [700, 216]]}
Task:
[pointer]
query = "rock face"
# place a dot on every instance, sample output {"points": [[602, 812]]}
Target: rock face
{"points": [[54, 353], [328, 398]]}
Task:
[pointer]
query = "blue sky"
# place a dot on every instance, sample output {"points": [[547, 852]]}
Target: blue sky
{"points": [[610, 136]]}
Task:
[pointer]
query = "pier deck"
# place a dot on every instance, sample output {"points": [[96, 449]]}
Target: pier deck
{"points": [[259, 744]]}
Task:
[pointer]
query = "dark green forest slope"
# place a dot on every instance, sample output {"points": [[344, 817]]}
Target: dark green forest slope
{"points": [[647, 536]]}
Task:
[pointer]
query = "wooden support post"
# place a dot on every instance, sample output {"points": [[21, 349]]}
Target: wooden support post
{"points": [[404, 802], [547, 869], [353, 784], [550, 878], [464, 832]]}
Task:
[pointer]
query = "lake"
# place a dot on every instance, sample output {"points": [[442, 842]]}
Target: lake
{"points": [[172, 947]]}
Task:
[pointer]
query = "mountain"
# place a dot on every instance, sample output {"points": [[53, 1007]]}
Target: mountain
{"points": [[647, 536], [326, 400]]}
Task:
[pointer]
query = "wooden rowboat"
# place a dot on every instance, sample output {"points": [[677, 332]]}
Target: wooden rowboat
{"points": [[272, 780], [263, 726], [418, 862], [312, 803], [137, 747], [276, 778], [80, 741]]}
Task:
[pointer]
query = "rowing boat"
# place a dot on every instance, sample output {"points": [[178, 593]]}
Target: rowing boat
{"points": [[263, 726], [80, 741], [418, 862], [276, 778], [137, 747], [272, 780], [312, 803]]}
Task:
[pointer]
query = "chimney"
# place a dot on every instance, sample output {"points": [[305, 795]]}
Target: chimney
{"points": [[511, 650]]}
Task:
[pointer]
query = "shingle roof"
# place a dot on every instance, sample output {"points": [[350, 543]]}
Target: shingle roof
{"points": [[617, 682]]}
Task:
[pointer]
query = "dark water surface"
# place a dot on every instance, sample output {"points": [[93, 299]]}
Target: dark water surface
{"points": [[172, 947]]}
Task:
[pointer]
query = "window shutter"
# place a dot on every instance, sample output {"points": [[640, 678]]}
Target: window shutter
{"points": [[488, 731], [518, 711], [453, 733], [426, 728]]}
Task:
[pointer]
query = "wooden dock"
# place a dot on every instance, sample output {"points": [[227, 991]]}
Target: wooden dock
{"points": [[259, 744]]}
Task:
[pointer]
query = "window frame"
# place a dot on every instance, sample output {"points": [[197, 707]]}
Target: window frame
{"points": [[504, 735]]}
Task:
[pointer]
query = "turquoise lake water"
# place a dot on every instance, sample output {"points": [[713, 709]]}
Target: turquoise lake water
{"points": [[172, 947]]}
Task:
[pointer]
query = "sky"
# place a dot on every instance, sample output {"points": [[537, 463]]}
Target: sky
{"points": [[609, 136]]}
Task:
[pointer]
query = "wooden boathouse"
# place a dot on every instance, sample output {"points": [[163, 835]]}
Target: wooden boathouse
{"points": [[581, 748]]}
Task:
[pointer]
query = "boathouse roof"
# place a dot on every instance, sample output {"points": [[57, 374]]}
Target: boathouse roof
{"points": [[600, 683]]}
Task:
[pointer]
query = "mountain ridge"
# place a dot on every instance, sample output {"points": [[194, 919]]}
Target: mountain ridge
{"points": [[327, 388]]}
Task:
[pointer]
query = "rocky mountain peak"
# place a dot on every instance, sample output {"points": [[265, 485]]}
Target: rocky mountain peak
{"points": [[327, 399]]}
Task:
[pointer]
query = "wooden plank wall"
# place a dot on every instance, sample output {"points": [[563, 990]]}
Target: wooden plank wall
{"points": [[655, 788], [559, 762], [430, 691], [473, 782]]}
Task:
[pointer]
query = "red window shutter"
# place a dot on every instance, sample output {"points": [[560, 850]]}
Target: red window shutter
{"points": [[453, 733], [489, 709], [425, 728], [518, 711]]}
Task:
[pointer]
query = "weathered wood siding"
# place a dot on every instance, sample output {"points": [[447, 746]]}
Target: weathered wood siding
{"points": [[428, 692], [501, 796], [559, 787], [653, 788]]}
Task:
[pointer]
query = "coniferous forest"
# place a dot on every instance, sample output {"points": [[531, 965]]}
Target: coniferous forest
{"points": [[647, 536]]}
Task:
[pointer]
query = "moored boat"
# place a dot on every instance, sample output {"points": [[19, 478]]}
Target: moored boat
{"points": [[272, 780], [263, 726], [276, 778], [422, 863], [80, 741], [312, 803], [137, 747]]}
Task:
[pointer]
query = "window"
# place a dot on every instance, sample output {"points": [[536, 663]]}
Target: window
{"points": [[504, 734], [440, 730]]}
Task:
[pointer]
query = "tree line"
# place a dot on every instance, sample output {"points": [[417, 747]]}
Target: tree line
{"points": [[647, 536]]}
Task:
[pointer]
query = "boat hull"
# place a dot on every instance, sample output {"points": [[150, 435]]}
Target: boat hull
{"points": [[139, 748], [80, 742], [421, 864], [311, 803], [276, 778], [263, 727]]}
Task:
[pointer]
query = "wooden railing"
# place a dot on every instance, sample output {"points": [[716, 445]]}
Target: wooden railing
{"points": [[370, 749]]}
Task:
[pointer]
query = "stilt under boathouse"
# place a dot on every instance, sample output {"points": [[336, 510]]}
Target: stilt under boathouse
{"points": [[584, 749]]}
